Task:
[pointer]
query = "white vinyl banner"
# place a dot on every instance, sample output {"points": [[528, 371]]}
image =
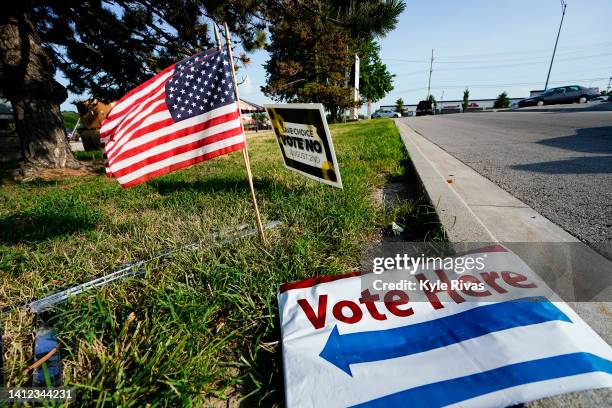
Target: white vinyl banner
{"points": [[487, 339]]}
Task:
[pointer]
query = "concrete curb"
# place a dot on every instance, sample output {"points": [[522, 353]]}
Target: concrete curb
{"points": [[471, 208]]}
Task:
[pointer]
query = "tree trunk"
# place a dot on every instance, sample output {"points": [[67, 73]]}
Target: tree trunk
{"points": [[369, 109], [333, 113], [26, 80]]}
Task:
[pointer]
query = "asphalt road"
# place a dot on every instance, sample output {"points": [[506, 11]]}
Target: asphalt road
{"points": [[557, 159]]}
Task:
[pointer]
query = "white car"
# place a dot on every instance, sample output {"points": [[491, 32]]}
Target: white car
{"points": [[386, 114]]}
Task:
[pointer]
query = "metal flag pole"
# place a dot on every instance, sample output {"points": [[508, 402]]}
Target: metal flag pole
{"points": [[217, 37], [245, 150]]}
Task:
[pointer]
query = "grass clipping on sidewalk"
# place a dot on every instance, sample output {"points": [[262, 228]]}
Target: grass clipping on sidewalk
{"points": [[204, 326]]}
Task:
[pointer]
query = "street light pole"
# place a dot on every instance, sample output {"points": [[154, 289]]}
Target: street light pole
{"points": [[563, 6], [430, 70]]}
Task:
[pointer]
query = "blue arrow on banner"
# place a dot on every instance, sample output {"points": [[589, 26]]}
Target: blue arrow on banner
{"points": [[342, 350]]}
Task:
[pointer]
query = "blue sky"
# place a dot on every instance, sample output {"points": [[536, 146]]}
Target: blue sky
{"points": [[489, 46]]}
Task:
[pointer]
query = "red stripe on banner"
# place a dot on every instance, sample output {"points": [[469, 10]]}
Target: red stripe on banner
{"points": [[177, 150], [310, 282], [186, 163], [172, 136]]}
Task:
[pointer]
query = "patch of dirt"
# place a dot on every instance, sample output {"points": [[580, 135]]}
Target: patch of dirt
{"points": [[392, 194], [233, 395], [86, 169]]}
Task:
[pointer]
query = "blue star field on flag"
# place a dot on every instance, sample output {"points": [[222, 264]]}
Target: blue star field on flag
{"points": [[200, 83]]}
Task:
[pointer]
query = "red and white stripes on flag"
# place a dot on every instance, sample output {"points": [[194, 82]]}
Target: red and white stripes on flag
{"points": [[184, 115]]}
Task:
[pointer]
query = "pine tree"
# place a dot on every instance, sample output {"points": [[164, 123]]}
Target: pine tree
{"points": [[104, 48], [466, 99], [399, 105], [312, 46], [502, 101]]}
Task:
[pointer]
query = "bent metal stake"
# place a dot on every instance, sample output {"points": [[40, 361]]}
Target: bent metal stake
{"points": [[136, 268]]}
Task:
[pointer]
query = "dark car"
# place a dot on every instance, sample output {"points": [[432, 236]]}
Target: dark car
{"points": [[562, 94], [425, 108]]}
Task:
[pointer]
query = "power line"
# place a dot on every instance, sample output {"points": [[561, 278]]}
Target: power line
{"points": [[405, 60], [522, 63], [533, 51], [443, 59], [420, 71], [512, 65], [590, 70], [495, 61], [494, 85]]}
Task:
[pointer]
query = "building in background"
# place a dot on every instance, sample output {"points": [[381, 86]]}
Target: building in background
{"points": [[452, 106], [250, 112]]}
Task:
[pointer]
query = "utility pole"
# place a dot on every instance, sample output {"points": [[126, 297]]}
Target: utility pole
{"points": [[430, 70], [355, 85], [608, 87], [563, 6]]}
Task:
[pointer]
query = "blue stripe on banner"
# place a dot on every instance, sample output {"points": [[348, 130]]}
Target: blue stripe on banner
{"points": [[342, 350], [460, 389]]}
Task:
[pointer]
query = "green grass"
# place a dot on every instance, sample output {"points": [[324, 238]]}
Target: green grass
{"points": [[94, 155], [205, 324], [70, 119]]}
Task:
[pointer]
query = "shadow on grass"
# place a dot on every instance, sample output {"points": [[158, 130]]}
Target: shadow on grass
{"points": [[6, 172], [212, 185], [46, 221], [265, 384]]}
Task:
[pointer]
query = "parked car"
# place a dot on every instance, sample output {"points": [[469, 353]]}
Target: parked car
{"points": [[386, 114], [562, 94], [425, 108]]}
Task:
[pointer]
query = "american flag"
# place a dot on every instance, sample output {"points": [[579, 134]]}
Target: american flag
{"points": [[184, 115]]}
